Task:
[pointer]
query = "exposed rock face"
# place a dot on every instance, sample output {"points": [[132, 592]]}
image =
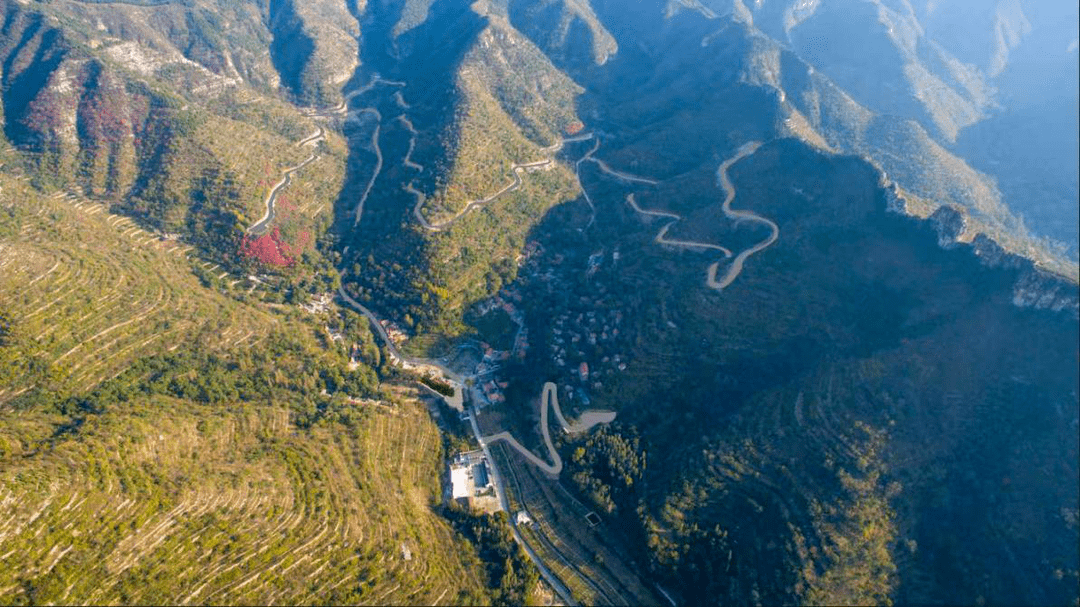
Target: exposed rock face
{"points": [[1044, 292], [314, 48], [949, 225]]}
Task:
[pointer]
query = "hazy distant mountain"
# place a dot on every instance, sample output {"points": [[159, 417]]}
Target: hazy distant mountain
{"points": [[994, 82]]}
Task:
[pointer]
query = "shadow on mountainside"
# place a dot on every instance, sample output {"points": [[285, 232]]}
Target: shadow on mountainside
{"points": [[847, 409]]}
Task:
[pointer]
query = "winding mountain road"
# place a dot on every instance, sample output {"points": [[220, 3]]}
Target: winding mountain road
{"points": [[358, 212], [549, 398], [584, 192], [260, 227], [408, 161], [724, 180], [549, 394], [354, 116], [458, 382], [516, 169], [319, 134], [455, 378], [263, 224], [736, 266], [621, 175], [500, 489], [605, 168], [661, 236], [375, 80]]}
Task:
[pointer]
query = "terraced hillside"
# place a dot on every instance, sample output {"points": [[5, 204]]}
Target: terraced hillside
{"points": [[163, 499], [89, 292], [839, 366], [170, 114], [164, 440]]}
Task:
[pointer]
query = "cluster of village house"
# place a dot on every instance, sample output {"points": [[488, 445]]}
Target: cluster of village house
{"points": [[490, 387], [581, 344], [584, 343]]}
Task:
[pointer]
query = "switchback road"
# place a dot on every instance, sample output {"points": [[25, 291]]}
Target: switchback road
{"points": [[263, 224], [550, 399], [736, 266]]}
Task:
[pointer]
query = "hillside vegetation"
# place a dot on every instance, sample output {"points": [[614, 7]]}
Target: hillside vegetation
{"points": [[162, 441], [509, 104], [88, 293], [165, 499], [161, 112], [843, 369], [851, 410]]}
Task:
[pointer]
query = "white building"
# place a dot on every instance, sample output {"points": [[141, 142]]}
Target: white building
{"points": [[469, 475], [460, 481]]}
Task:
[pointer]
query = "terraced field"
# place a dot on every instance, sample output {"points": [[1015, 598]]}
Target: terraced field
{"points": [[178, 502], [94, 292], [253, 157], [590, 562], [131, 472]]}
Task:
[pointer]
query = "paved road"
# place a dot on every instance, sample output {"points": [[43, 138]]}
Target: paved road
{"points": [[621, 175], [263, 224], [584, 192], [605, 169], [500, 488], [661, 236], [550, 399], [736, 266], [496, 475], [358, 212], [320, 133], [516, 169], [408, 161], [549, 396], [375, 80], [342, 108], [455, 378]]}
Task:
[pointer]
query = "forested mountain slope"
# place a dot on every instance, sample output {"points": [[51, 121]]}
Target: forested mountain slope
{"points": [[171, 430], [816, 261], [800, 444], [163, 441]]}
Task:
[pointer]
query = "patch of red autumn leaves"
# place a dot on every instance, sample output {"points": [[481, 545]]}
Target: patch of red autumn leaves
{"points": [[271, 248]]}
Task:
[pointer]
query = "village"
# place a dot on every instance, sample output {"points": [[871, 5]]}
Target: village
{"points": [[587, 341], [489, 388]]}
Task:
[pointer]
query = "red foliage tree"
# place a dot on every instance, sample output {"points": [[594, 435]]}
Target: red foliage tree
{"points": [[268, 249]]}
